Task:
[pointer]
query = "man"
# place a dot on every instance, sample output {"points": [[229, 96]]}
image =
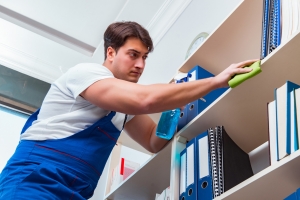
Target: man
{"points": [[64, 146]]}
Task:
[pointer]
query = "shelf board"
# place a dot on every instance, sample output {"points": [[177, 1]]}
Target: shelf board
{"points": [[236, 39], [243, 110], [275, 182], [153, 177]]}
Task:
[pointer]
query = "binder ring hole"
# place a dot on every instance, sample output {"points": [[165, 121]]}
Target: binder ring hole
{"points": [[192, 107], [182, 198], [190, 192], [181, 114], [204, 184]]}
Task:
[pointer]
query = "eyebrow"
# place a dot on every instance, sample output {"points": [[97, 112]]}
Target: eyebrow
{"points": [[137, 51]]}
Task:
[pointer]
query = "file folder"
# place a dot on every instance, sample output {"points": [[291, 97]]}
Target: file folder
{"points": [[265, 30], [182, 183], [233, 163], [197, 106], [293, 122], [191, 170], [294, 196], [283, 118], [205, 166], [183, 114], [274, 25]]}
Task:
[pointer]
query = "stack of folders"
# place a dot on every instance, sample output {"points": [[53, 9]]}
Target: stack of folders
{"points": [[283, 121], [271, 29], [211, 164], [294, 196], [281, 20], [194, 108]]}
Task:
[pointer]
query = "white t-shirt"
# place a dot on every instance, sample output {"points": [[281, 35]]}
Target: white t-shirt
{"points": [[64, 112]]}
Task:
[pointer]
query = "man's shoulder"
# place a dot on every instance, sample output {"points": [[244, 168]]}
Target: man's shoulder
{"points": [[88, 66], [94, 68]]}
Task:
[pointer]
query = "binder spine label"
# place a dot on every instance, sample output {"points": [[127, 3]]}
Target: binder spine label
{"points": [[203, 158], [182, 173], [190, 165]]}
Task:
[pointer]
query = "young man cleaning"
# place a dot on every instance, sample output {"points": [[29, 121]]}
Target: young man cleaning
{"points": [[64, 146]]}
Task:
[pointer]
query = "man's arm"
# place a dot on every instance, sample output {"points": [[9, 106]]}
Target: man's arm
{"points": [[131, 98], [142, 130]]}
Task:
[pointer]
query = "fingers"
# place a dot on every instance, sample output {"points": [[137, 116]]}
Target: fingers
{"points": [[243, 70], [246, 63], [182, 108]]}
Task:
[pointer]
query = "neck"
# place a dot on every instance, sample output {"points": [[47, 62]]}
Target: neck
{"points": [[107, 65]]}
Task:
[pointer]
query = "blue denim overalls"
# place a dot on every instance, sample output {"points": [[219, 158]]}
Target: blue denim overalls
{"points": [[67, 168]]}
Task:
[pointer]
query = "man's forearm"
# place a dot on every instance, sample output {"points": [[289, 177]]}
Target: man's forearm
{"points": [[157, 143]]}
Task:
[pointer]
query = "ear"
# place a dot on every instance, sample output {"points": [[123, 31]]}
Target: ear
{"points": [[110, 53]]}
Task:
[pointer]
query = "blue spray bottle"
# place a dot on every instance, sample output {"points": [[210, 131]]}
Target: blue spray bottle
{"points": [[169, 119]]}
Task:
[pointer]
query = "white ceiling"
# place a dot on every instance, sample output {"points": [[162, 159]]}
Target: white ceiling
{"points": [[71, 31], [44, 39]]}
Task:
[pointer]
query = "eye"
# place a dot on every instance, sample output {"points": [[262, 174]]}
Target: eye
{"points": [[133, 55], [145, 57]]}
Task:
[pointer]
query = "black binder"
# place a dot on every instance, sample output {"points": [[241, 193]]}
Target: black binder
{"points": [[233, 163], [213, 161]]}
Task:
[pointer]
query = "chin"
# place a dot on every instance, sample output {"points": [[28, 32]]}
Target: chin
{"points": [[133, 81]]}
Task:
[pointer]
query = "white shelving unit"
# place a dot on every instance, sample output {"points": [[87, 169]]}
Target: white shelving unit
{"points": [[242, 111], [151, 178]]}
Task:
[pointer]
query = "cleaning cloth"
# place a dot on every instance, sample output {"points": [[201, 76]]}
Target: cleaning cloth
{"points": [[239, 78]]}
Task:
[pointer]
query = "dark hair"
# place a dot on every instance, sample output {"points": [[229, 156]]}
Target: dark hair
{"points": [[117, 33]]}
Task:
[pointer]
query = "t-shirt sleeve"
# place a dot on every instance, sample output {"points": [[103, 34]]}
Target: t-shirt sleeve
{"points": [[81, 76]]}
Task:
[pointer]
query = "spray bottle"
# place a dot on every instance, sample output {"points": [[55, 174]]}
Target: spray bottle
{"points": [[169, 119]]}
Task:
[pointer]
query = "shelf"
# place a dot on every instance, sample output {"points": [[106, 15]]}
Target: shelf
{"points": [[236, 39], [153, 177], [274, 182], [243, 110]]}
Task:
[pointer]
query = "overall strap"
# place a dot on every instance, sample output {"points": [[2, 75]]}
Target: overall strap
{"points": [[124, 121], [30, 120]]}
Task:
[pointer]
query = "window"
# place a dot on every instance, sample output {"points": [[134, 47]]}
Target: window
{"points": [[11, 124]]}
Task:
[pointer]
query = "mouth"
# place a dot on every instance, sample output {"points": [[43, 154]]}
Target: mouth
{"points": [[135, 73]]}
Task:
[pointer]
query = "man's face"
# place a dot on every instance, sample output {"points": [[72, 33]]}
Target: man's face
{"points": [[129, 62]]}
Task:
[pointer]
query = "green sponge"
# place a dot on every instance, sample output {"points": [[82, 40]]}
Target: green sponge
{"points": [[239, 78]]}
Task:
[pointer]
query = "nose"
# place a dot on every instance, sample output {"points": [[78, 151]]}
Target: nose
{"points": [[140, 63]]}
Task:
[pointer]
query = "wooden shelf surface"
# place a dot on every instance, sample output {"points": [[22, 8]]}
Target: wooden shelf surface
{"points": [[274, 182], [153, 177]]}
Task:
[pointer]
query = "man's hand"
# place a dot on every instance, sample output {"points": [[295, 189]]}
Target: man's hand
{"points": [[237, 68]]}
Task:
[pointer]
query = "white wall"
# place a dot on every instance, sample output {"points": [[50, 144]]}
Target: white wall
{"points": [[169, 54]]}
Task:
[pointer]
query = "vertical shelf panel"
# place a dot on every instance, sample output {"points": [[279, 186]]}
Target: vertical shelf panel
{"points": [[153, 177]]}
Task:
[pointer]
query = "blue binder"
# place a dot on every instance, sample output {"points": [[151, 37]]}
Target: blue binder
{"points": [[182, 183], [204, 167], [294, 196], [191, 170], [196, 107], [274, 25], [183, 115], [265, 30]]}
